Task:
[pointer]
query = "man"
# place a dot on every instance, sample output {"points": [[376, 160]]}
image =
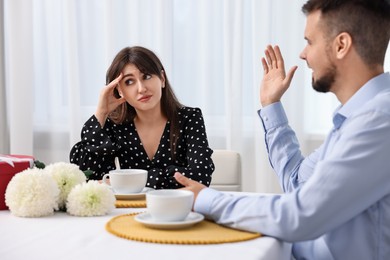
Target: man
{"points": [[337, 200]]}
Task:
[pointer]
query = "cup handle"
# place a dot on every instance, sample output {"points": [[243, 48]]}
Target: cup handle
{"points": [[105, 178]]}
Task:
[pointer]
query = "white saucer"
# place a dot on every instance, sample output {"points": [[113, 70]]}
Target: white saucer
{"points": [[190, 220], [133, 196]]}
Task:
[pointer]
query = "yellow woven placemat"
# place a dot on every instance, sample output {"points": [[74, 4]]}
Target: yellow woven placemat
{"points": [[205, 232], [140, 203]]}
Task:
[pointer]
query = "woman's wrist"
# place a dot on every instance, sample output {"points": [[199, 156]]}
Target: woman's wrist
{"points": [[101, 117]]}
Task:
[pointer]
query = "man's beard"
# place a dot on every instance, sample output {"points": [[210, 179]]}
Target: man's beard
{"points": [[325, 83]]}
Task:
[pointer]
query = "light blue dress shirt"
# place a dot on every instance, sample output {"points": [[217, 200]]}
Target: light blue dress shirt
{"points": [[336, 203]]}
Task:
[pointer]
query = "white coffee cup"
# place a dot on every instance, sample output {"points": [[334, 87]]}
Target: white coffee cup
{"points": [[126, 181], [169, 205]]}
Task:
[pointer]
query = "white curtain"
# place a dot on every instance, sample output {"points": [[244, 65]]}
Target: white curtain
{"points": [[4, 138], [57, 53]]}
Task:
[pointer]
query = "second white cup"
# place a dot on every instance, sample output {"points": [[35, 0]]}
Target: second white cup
{"points": [[169, 205], [126, 181]]}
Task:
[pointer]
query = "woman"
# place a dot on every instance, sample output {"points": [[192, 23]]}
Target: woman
{"points": [[139, 120]]}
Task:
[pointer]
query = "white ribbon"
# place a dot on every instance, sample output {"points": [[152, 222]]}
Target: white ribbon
{"points": [[10, 160]]}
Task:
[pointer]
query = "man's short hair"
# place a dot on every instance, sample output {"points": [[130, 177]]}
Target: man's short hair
{"points": [[367, 21]]}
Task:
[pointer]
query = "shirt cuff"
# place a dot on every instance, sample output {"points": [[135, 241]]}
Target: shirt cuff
{"points": [[272, 116], [204, 201], [92, 122]]}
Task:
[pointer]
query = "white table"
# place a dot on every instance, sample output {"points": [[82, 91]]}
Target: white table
{"points": [[62, 236]]}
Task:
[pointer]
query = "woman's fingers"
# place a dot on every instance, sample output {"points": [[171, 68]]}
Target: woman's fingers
{"points": [[115, 82]]}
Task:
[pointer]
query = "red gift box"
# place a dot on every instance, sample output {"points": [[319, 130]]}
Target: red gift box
{"points": [[9, 166]]}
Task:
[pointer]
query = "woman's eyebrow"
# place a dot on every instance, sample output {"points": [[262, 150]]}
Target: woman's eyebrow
{"points": [[128, 75], [131, 73]]}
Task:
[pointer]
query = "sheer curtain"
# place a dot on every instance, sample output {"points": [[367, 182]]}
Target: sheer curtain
{"points": [[57, 53], [4, 141]]}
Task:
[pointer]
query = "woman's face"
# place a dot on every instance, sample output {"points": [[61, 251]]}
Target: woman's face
{"points": [[141, 91]]}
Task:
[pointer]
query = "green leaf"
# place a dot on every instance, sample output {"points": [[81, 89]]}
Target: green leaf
{"points": [[39, 164], [88, 173]]}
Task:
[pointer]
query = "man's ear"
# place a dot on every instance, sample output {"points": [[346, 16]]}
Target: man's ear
{"points": [[342, 45]]}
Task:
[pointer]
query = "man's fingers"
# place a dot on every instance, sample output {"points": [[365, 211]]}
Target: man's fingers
{"points": [[279, 57], [272, 57], [290, 74], [181, 179], [265, 66], [268, 58]]}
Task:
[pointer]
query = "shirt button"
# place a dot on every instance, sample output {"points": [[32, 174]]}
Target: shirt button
{"points": [[265, 118]]}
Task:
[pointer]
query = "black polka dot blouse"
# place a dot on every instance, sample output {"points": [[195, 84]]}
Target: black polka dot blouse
{"points": [[99, 146]]}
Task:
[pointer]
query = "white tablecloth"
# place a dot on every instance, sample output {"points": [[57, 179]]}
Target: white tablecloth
{"points": [[62, 236]]}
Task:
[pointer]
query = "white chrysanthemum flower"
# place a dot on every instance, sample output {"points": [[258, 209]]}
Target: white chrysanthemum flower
{"points": [[32, 193], [90, 199], [67, 176]]}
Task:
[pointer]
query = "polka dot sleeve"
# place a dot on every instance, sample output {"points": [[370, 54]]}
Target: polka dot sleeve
{"points": [[95, 151]]}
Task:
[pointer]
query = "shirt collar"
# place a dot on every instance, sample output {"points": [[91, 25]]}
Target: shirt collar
{"points": [[367, 92]]}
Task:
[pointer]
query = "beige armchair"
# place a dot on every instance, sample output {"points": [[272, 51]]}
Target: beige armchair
{"points": [[227, 174]]}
